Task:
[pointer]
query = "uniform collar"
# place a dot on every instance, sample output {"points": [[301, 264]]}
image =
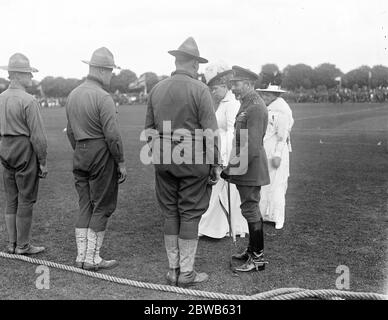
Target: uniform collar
{"points": [[96, 80], [16, 85], [180, 71], [250, 97]]}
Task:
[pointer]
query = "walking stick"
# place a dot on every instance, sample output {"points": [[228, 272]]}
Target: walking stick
{"points": [[230, 231]]}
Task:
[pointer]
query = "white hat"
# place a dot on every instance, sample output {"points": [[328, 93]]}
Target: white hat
{"points": [[216, 70], [272, 88]]}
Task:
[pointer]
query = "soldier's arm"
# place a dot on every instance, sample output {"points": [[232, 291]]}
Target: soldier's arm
{"points": [[38, 136], [110, 128], [69, 132], [208, 121]]}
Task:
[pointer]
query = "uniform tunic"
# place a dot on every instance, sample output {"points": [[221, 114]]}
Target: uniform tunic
{"points": [[182, 189], [23, 145], [248, 168], [94, 134], [214, 223]]}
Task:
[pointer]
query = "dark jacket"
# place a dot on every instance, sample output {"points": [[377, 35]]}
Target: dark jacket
{"points": [[248, 144], [186, 104], [92, 114]]}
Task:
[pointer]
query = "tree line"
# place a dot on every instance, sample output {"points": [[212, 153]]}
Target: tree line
{"points": [[292, 77]]}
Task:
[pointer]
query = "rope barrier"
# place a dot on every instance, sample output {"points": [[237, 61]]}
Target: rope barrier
{"points": [[277, 294]]}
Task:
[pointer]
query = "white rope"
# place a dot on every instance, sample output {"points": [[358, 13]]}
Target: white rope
{"points": [[277, 294]]}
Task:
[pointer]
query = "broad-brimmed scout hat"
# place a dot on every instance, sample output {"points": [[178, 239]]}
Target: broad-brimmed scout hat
{"points": [[272, 88], [218, 73], [188, 48], [18, 62], [240, 74], [102, 58]]}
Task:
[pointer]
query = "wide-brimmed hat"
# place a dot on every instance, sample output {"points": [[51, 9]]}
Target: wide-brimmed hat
{"points": [[272, 88], [18, 62], [217, 72], [102, 58], [188, 48], [240, 74]]}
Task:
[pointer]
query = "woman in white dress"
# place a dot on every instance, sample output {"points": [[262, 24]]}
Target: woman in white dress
{"points": [[277, 147], [214, 223]]}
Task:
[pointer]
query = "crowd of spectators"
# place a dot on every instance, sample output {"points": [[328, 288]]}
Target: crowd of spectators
{"points": [[338, 95]]}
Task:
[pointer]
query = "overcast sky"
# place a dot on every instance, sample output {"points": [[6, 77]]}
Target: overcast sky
{"points": [[56, 35]]}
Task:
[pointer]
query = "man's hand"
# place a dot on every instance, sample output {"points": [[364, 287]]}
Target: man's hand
{"points": [[225, 174], [214, 177], [122, 172], [276, 162], [43, 171]]}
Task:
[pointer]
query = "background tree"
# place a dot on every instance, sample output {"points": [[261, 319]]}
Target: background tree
{"points": [[359, 77], [297, 76], [122, 80], [325, 75], [379, 76], [151, 80], [269, 73]]}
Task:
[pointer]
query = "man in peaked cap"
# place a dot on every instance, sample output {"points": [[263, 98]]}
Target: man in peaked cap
{"points": [[23, 153], [248, 168], [98, 164], [182, 189]]}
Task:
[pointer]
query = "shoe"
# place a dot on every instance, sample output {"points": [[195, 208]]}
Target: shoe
{"points": [[172, 277], [279, 226], [242, 256], [104, 264], [11, 248], [79, 265], [29, 249], [187, 279], [255, 262]]}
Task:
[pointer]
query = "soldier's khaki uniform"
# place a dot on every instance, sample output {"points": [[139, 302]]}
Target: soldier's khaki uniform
{"points": [[23, 146]]}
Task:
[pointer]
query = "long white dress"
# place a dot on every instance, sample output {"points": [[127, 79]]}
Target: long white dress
{"points": [[214, 222], [277, 144]]}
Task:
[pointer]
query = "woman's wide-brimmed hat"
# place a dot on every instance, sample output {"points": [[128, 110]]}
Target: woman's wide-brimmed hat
{"points": [[188, 48], [217, 73], [102, 58], [18, 62], [272, 88]]}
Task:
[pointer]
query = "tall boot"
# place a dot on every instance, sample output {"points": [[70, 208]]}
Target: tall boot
{"points": [[188, 276], [93, 261], [256, 242], [23, 227], [81, 237], [172, 249], [248, 251], [10, 222]]}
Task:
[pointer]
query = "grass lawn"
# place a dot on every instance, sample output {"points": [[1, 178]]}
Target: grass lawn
{"points": [[336, 214]]}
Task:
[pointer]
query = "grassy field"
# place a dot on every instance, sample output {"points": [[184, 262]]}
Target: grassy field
{"points": [[336, 214]]}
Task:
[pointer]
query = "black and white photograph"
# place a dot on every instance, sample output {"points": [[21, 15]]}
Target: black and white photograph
{"points": [[211, 152]]}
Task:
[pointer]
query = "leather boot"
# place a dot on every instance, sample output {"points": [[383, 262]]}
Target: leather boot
{"points": [[256, 259], [93, 261], [188, 276], [172, 249], [23, 226], [10, 222], [81, 237]]}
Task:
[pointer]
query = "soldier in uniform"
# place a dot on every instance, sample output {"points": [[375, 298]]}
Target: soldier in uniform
{"points": [[183, 190], [248, 168], [23, 153], [98, 162]]}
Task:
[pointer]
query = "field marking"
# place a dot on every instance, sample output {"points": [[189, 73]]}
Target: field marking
{"points": [[343, 113]]}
